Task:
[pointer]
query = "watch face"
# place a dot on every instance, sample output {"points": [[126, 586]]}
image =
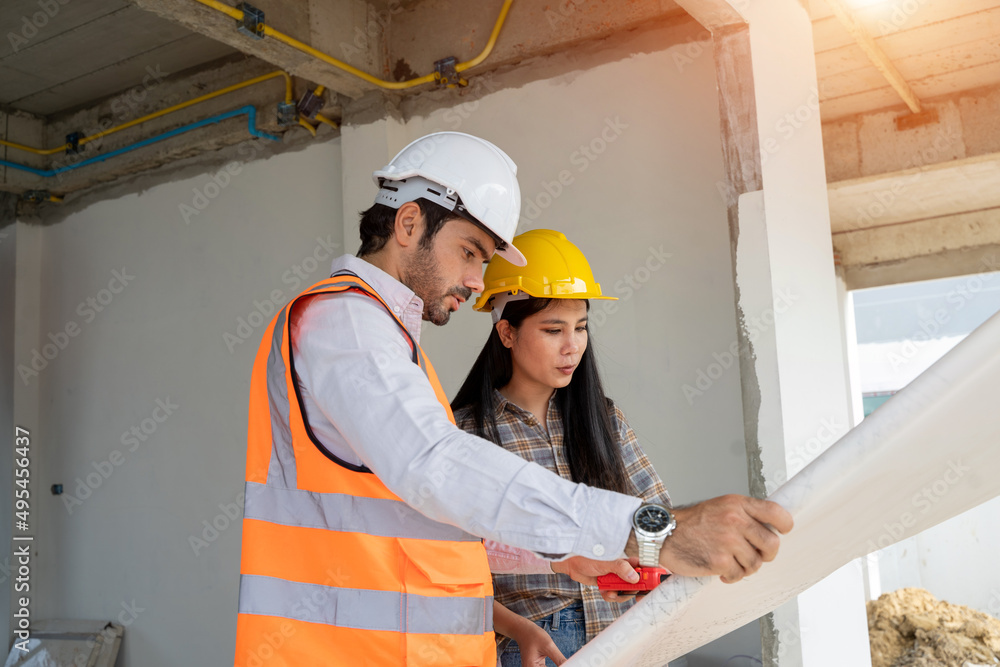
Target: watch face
{"points": [[652, 519]]}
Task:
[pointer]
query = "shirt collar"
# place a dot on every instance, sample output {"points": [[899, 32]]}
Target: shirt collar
{"points": [[503, 403], [405, 304]]}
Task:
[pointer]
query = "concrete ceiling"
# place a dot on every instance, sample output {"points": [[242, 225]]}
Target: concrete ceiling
{"points": [[912, 195], [60, 55], [941, 47], [63, 61]]}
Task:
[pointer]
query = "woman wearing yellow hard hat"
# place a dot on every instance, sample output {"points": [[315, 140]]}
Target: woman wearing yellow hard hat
{"points": [[536, 391]]}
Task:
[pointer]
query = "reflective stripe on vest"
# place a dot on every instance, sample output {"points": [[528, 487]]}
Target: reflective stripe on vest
{"points": [[333, 560], [337, 511], [365, 610]]}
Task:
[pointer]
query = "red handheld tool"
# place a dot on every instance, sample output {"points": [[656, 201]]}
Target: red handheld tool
{"points": [[649, 578]]}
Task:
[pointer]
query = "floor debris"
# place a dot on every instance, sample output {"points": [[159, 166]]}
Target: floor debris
{"points": [[912, 628]]}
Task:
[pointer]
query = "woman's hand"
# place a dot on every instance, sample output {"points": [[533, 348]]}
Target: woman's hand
{"points": [[536, 645], [586, 571]]}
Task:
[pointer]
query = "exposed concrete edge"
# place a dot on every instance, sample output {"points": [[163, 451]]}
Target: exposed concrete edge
{"points": [[947, 264], [749, 242], [650, 38], [371, 108], [213, 24], [923, 169], [234, 65], [204, 163], [8, 209], [858, 194], [770, 640], [902, 109]]}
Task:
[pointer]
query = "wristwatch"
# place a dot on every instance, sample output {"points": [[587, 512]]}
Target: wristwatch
{"points": [[652, 524]]}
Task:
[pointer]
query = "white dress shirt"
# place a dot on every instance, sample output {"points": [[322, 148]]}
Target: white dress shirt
{"points": [[370, 405]]}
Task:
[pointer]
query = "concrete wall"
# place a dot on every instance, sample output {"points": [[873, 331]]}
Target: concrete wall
{"points": [[646, 213], [27, 296], [160, 350], [8, 272], [644, 208]]}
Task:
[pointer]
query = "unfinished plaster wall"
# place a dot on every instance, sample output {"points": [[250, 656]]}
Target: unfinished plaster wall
{"points": [[622, 154], [143, 410]]}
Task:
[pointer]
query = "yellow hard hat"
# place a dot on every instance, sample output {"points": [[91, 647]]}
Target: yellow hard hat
{"points": [[556, 269]]}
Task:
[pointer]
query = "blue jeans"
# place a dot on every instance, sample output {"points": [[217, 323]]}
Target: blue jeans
{"points": [[567, 629]]}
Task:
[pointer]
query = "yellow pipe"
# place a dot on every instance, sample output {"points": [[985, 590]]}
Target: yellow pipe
{"points": [[461, 67], [294, 43], [339, 64], [36, 151], [163, 112], [323, 119], [312, 130], [319, 55], [197, 100]]}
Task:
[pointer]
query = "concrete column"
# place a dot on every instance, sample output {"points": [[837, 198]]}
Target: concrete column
{"points": [[849, 333], [792, 316]]}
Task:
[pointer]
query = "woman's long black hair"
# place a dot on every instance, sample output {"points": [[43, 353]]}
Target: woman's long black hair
{"points": [[590, 439]]}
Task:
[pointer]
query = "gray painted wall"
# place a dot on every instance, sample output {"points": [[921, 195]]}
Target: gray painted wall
{"points": [[624, 159], [8, 256], [154, 354]]}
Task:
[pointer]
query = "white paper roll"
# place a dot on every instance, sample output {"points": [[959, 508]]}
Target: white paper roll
{"points": [[929, 453]]}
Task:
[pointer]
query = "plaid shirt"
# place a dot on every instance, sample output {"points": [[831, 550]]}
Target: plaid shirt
{"points": [[536, 596]]}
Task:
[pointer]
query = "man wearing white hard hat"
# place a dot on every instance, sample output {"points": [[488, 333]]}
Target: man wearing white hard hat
{"points": [[365, 505]]}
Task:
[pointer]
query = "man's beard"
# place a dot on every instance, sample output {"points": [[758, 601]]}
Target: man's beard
{"points": [[421, 275]]}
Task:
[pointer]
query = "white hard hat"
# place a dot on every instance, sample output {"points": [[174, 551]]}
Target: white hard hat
{"points": [[466, 175]]}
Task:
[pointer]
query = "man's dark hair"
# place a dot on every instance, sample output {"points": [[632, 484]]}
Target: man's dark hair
{"points": [[378, 222]]}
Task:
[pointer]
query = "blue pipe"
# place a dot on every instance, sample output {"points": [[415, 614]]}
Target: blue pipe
{"points": [[249, 110]]}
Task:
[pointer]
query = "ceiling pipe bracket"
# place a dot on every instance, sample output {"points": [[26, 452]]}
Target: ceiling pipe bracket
{"points": [[252, 24], [446, 74]]}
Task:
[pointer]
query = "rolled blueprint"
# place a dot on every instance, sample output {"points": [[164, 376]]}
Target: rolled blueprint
{"points": [[929, 453]]}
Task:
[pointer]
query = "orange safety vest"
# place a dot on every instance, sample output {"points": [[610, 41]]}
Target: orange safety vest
{"points": [[336, 569]]}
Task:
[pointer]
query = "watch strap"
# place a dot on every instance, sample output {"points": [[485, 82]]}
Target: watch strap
{"points": [[649, 551]]}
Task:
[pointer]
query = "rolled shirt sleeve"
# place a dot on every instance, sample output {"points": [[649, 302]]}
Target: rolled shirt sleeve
{"points": [[505, 559], [354, 362]]}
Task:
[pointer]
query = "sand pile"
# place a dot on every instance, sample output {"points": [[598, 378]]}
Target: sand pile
{"points": [[911, 628]]}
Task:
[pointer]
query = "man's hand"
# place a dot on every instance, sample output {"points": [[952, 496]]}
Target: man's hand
{"points": [[727, 536], [586, 571]]}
